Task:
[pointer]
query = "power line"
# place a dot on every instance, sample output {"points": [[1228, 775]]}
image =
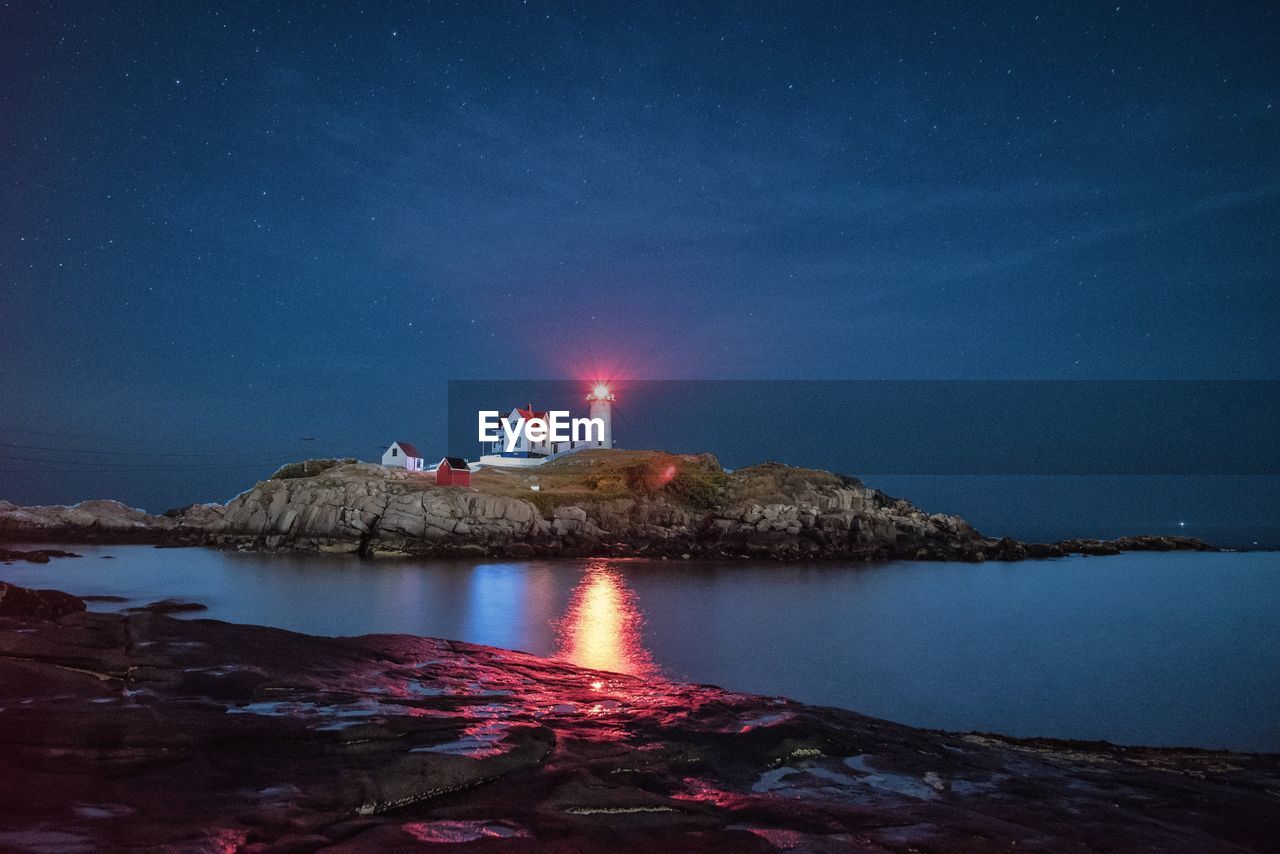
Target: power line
{"points": [[92, 467], [105, 452], [100, 471], [30, 431], [71, 465]]}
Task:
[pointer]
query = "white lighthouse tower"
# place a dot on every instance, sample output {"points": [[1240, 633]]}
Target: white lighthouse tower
{"points": [[601, 400]]}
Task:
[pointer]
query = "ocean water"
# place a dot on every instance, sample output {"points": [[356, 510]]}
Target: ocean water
{"points": [[1178, 649]]}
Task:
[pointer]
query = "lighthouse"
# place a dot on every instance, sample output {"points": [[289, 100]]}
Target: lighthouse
{"points": [[601, 400]]}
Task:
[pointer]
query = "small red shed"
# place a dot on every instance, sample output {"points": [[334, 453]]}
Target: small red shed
{"points": [[453, 471]]}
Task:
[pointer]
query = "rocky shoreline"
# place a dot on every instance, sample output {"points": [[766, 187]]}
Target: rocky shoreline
{"points": [[103, 521], [140, 730], [597, 503]]}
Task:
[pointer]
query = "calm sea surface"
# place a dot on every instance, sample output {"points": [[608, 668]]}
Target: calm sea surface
{"points": [[1160, 649]]}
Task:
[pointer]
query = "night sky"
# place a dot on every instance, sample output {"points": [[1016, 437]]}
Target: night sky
{"points": [[227, 231]]}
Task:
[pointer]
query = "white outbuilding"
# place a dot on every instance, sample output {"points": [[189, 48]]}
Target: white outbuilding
{"points": [[402, 455]]}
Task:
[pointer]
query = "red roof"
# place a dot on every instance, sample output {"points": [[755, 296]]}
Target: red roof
{"points": [[529, 414], [409, 450]]}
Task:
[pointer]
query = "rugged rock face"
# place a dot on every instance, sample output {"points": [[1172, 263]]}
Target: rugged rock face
{"points": [[102, 521], [594, 503], [146, 732], [766, 511], [381, 511], [371, 508]]}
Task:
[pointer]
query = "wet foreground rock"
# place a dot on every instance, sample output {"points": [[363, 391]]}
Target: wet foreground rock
{"points": [[144, 731]]}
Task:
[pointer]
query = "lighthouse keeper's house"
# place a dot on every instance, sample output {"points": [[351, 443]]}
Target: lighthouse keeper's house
{"points": [[532, 453]]}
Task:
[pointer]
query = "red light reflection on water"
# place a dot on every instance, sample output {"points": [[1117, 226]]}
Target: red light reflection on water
{"points": [[601, 629]]}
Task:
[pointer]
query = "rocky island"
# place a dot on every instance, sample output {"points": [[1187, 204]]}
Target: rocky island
{"points": [[144, 731], [594, 503]]}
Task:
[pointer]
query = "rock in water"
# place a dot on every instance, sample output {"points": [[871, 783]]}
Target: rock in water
{"points": [[33, 555], [25, 604], [596, 502], [168, 606], [608, 502]]}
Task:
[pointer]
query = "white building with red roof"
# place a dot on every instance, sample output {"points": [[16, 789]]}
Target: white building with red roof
{"points": [[402, 455]]}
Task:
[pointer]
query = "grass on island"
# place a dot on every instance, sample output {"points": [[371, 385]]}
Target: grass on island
{"points": [[593, 476], [309, 468], [606, 475], [693, 480]]}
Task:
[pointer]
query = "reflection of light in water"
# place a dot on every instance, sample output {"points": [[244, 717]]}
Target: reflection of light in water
{"points": [[494, 596], [602, 627]]}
